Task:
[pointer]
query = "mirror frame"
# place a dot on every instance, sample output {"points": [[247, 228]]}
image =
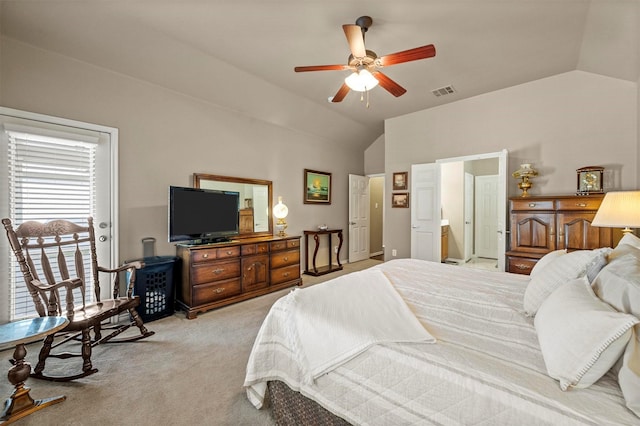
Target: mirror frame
{"points": [[199, 177]]}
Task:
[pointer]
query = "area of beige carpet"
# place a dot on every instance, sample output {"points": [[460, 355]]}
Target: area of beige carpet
{"points": [[189, 373]]}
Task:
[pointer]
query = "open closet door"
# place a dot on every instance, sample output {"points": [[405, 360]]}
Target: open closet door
{"points": [[425, 212]]}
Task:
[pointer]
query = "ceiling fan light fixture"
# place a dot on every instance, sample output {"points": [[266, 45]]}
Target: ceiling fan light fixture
{"points": [[361, 81]]}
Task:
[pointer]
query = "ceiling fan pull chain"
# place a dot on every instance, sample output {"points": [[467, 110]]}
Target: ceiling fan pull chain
{"points": [[367, 99]]}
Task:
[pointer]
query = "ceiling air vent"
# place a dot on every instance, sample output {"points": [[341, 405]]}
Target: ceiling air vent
{"points": [[446, 90]]}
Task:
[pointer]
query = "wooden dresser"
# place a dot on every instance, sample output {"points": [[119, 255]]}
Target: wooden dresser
{"points": [[540, 225], [215, 275]]}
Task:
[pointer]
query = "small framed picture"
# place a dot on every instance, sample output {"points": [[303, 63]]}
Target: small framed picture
{"points": [[400, 200], [317, 187], [400, 181]]}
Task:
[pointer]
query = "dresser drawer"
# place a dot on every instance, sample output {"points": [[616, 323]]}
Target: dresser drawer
{"points": [[287, 273], [579, 204], [215, 271], [285, 258], [211, 292], [278, 245], [258, 248], [215, 253], [532, 205], [520, 265], [293, 243]]}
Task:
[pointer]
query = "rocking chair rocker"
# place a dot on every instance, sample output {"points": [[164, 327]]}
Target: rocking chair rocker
{"points": [[34, 244]]}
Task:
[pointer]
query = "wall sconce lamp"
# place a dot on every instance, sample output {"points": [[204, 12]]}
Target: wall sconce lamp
{"points": [[524, 173], [619, 209], [280, 212]]}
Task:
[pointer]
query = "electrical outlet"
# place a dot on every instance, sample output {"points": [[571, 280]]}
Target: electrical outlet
{"points": [[394, 252]]}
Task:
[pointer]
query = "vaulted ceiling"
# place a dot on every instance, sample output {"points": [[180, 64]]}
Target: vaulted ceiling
{"points": [[231, 52]]}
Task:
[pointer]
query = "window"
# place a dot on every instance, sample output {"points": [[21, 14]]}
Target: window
{"points": [[49, 178], [53, 168]]}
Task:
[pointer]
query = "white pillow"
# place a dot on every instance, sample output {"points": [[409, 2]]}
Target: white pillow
{"points": [[629, 374], [557, 272], [631, 239], [618, 284], [545, 260], [580, 336]]}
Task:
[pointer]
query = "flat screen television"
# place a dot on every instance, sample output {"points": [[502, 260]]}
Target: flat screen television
{"points": [[202, 215]]}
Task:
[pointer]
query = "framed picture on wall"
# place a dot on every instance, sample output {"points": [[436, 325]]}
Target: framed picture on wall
{"points": [[317, 187], [400, 181], [400, 200]]}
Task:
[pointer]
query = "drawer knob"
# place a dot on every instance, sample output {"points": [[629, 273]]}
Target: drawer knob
{"points": [[218, 271], [532, 204], [219, 290], [581, 204], [205, 255], [286, 258], [229, 252], [522, 267], [286, 274]]}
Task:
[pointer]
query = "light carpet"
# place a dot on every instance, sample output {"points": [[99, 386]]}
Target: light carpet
{"points": [[189, 373]]}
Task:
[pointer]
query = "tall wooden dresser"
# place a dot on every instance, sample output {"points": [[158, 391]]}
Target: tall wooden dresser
{"points": [[540, 225], [215, 275]]}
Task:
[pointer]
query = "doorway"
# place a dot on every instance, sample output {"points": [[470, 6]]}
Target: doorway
{"points": [[439, 193]]}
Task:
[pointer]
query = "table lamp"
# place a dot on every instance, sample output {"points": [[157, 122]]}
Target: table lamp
{"points": [[524, 173], [280, 212], [619, 209]]}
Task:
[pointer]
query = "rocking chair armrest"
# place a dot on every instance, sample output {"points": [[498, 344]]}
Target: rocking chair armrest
{"points": [[130, 265], [69, 284]]}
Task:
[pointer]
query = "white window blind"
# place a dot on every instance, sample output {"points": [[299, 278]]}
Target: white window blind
{"points": [[49, 178]]}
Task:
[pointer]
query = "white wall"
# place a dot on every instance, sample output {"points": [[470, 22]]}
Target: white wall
{"points": [[166, 136], [559, 124]]}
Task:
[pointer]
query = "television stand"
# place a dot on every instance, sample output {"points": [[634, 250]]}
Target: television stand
{"points": [[215, 275]]}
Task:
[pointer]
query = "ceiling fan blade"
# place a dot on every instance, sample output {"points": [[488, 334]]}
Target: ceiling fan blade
{"points": [[322, 68], [415, 54], [342, 92], [355, 40], [389, 85]]}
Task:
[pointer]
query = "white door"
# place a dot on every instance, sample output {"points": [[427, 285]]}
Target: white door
{"points": [[67, 169], [487, 216], [425, 212], [468, 216], [358, 218]]}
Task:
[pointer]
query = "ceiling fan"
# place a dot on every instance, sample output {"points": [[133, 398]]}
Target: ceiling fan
{"points": [[366, 65]]}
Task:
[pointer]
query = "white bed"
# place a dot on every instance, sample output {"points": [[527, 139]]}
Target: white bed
{"points": [[486, 366]]}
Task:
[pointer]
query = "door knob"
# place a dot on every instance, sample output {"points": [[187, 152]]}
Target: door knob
{"points": [[103, 238]]}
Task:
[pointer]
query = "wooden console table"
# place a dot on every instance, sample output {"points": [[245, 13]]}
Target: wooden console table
{"points": [[20, 404], [316, 236]]}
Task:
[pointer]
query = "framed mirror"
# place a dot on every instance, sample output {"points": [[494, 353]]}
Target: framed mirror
{"points": [[255, 201]]}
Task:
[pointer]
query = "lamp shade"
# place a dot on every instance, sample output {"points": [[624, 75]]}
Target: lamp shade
{"points": [[280, 210], [361, 81], [619, 209]]}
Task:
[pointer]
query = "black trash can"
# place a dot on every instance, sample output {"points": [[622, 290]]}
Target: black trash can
{"points": [[155, 287]]}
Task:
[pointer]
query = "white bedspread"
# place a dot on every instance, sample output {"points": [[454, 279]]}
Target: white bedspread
{"points": [[333, 322], [486, 367]]}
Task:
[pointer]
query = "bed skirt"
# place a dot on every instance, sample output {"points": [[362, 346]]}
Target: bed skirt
{"points": [[291, 408]]}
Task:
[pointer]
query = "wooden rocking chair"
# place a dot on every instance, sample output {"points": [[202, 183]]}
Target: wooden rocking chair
{"points": [[61, 242]]}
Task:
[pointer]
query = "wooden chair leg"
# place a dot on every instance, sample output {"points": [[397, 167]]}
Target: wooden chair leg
{"points": [[86, 350], [44, 353], [138, 321]]}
